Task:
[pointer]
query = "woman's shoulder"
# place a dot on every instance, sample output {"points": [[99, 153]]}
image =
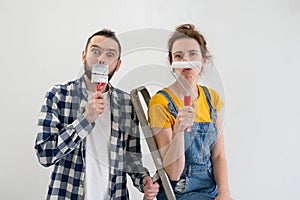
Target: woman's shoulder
{"points": [[159, 98], [214, 96], [213, 93]]}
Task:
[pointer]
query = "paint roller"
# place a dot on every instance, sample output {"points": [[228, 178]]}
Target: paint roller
{"points": [[185, 65]]}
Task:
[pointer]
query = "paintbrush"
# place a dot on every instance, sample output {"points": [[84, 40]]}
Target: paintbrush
{"points": [[99, 75]]}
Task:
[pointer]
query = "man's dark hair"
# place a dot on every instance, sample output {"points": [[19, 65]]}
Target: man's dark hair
{"points": [[108, 34]]}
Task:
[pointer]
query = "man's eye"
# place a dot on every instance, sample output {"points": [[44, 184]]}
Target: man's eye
{"points": [[110, 55], [95, 51]]}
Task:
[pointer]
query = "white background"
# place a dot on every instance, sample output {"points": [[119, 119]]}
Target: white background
{"points": [[256, 48]]}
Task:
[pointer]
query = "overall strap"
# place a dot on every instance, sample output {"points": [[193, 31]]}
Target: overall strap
{"points": [[213, 111], [171, 105]]}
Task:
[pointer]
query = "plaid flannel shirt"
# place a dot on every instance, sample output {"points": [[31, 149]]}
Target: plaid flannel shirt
{"points": [[62, 136]]}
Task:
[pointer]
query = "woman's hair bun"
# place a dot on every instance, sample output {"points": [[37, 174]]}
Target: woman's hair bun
{"points": [[185, 27]]}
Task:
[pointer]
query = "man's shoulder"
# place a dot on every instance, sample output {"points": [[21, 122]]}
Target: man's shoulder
{"points": [[68, 84], [64, 89], [120, 93]]}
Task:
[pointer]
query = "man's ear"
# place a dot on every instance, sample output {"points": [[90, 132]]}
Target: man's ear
{"points": [[83, 56], [118, 64]]}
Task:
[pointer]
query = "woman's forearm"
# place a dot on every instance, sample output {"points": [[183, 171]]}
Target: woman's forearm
{"points": [[174, 159], [220, 173]]}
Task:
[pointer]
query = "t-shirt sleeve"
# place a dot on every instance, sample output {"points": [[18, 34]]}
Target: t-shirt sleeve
{"points": [[216, 100], [158, 114]]}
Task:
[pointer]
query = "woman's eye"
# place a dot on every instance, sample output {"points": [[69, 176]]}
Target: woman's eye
{"points": [[193, 54], [178, 56]]}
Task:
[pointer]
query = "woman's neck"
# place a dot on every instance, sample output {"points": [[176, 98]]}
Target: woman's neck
{"points": [[178, 90]]}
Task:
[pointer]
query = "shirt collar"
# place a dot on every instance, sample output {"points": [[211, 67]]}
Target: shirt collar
{"points": [[81, 87]]}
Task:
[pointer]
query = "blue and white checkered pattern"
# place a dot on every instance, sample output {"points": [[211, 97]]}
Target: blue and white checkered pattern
{"points": [[61, 141]]}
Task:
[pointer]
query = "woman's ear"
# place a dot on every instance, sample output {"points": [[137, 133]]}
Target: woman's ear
{"points": [[203, 62]]}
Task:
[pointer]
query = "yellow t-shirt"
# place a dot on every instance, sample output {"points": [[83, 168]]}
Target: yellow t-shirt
{"points": [[160, 117]]}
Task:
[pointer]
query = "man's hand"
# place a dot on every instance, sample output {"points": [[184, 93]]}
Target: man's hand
{"points": [[150, 189], [94, 107]]}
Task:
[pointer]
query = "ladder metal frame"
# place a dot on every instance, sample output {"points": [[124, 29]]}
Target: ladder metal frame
{"points": [[160, 174]]}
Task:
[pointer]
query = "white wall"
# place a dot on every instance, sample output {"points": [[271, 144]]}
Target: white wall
{"points": [[256, 48]]}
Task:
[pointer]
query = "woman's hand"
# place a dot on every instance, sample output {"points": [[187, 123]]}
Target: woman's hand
{"points": [[223, 196], [184, 119]]}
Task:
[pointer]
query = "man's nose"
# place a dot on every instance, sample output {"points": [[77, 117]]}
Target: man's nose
{"points": [[102, 59]]}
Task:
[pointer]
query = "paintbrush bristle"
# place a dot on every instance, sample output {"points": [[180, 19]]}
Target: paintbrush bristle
{"points": [[99, 73]]}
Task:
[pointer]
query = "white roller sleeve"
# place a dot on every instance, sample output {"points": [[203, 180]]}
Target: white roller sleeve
{"points": [[186, 64]]}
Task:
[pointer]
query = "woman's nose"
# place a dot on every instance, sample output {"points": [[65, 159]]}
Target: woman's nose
{"points": [[186, 57]]}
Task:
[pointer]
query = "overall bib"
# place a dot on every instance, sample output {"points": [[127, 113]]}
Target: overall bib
{"points": [[196, 181]]}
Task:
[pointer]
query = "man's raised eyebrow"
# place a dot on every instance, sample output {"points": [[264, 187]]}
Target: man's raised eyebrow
{"points": [[93, 45], [114, 50], [108, 49]]}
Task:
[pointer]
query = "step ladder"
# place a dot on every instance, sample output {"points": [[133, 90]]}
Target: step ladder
{"points": [[160, 173]]}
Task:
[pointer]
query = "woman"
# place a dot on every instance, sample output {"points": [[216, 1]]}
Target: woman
{"points": [[193, 159]]}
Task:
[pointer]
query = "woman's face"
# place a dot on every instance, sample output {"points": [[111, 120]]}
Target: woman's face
{"points": [[187, 49]]}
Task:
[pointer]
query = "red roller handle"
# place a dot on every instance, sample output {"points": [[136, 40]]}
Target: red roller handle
{"points": [[187, 102], [99, 86]]}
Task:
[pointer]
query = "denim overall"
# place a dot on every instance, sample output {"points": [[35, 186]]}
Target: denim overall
{"points": [[196, 181]]}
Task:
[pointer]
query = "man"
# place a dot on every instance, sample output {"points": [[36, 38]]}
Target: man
{"points": [[92, 138]]}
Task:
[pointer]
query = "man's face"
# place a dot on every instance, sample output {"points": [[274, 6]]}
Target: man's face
{"points": [[101, 50]]}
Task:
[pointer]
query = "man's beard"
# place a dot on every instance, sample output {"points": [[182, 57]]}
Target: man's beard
{"points": [[88, 72]]}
